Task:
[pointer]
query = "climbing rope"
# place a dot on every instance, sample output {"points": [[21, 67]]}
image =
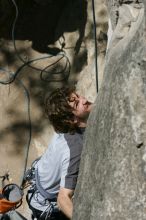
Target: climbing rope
{"points": [[95, 43]]}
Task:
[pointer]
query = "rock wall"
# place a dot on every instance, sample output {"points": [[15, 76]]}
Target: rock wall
{"points": [[112, 180]]}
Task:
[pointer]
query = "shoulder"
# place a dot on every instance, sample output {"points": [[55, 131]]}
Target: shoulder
{"points": [[74, 141], [58, 139], [76, 137]]}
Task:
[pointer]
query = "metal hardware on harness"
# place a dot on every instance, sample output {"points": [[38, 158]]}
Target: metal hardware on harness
{"points": [[29, 175]]}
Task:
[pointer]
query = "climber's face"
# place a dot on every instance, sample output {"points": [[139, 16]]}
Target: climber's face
{"points": [[81, 106]]}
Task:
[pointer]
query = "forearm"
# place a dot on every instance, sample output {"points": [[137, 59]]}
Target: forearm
{"points": [[65, 205]]}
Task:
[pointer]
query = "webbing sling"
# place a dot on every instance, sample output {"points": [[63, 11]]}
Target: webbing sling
{"points": [[42, 191]]}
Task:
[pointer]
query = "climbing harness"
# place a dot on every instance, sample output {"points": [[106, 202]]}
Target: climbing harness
{"points": [[32, 180]]}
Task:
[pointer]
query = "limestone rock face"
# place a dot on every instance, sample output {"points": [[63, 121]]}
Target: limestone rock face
{"points": [[112, 180]]}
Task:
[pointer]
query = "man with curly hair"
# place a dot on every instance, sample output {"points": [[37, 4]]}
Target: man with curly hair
{"points": [[57, 171]]}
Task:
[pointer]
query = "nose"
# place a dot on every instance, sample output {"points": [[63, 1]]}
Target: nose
{"points": [[84, 101]]}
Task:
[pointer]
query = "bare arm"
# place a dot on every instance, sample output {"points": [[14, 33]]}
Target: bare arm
{"points": [[64, 201]]}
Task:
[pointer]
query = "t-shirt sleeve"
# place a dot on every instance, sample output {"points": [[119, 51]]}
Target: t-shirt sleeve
{"points": [[72, 172], [70, 168], [64, 169]]}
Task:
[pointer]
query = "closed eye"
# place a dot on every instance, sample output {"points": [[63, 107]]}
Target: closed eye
{"points": [[76, 104]]}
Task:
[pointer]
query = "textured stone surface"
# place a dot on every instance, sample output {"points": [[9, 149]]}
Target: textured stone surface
{"points": [[112, 180]]}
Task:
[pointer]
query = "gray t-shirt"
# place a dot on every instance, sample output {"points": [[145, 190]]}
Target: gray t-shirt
{"points": [[59, 166]]}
